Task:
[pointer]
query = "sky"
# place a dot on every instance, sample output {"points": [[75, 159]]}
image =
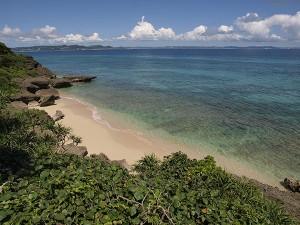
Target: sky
{"points": [[151, 23]]}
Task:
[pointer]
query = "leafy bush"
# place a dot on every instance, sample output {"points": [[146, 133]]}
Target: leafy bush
{"points": [[24, 134], [68, 189]]}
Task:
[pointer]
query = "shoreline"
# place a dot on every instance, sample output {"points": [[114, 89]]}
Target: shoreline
{"points": [[104, 133]]}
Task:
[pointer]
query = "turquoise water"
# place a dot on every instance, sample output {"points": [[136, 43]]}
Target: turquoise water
{"points": [[244, 103]]}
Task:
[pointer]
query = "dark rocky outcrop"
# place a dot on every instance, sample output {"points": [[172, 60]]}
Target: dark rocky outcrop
{"points": [[75, 79], [30, 87], [60, 83], [25, 96], [292, 184], [47, 101], [75, 150], [58, 115], [48, 92], [41, 82], [18, 105]]}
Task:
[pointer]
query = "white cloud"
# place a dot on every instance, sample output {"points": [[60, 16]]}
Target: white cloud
{"points": [[47, 35], [196, 34], [146, 31], [250, 27], [47, 32], [121, 37], [249, 17], [288, 25], [9, 32], [225, 29], [47, 29], [78, 38], [225, 37]]}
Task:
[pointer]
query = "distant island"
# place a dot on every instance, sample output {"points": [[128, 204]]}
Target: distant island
{"points": [[60, 48], [105, 47]]}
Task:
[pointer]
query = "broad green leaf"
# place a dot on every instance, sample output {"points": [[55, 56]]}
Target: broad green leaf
{"points": [[132, 211]]}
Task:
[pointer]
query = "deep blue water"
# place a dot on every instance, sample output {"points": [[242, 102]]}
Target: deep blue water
{"points": [[244, 103]]}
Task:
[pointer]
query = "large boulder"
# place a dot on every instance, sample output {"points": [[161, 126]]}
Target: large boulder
{"points": [[292, 184], [48, 92], [75, 79], [58, 115], [47, 101], [33, 104], [41, 82], [18, 104], [30, 87], [25, 96], [74, 150], [60, 83], [101, 156], [122, 163]]}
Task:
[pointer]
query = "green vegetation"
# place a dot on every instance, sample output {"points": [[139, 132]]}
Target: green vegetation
{"points": [[12, 67], [40, 186]]}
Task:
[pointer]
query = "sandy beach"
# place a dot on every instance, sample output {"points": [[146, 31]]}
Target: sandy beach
{"points": [[102, 133]]}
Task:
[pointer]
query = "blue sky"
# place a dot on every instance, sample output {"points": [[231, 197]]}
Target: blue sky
{"points": [[118, 22]]}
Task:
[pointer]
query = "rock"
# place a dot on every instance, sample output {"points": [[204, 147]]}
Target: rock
{"points": [[18, 105], [60, 83], [30, 87], [33, 104], [75, 150], [48, 92], [101, 156], [75, 79], [25, 96], [41, 82], [58, 115], [122, 163], [47, 101], [292, 184], [37, 68]]}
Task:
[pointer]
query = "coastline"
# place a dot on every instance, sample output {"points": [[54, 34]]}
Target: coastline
{"points": [[104, 133]]}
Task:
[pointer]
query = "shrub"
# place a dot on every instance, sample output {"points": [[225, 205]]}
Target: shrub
{"points": [[69, 189]]}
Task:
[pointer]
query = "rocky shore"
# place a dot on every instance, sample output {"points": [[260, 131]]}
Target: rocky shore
{"points": [[41, 90]]}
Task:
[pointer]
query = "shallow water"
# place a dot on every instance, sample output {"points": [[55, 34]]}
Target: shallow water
{"points": [[244, 103]]}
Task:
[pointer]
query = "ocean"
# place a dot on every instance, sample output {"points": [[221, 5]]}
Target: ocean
{"points": [[241, 103]]}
